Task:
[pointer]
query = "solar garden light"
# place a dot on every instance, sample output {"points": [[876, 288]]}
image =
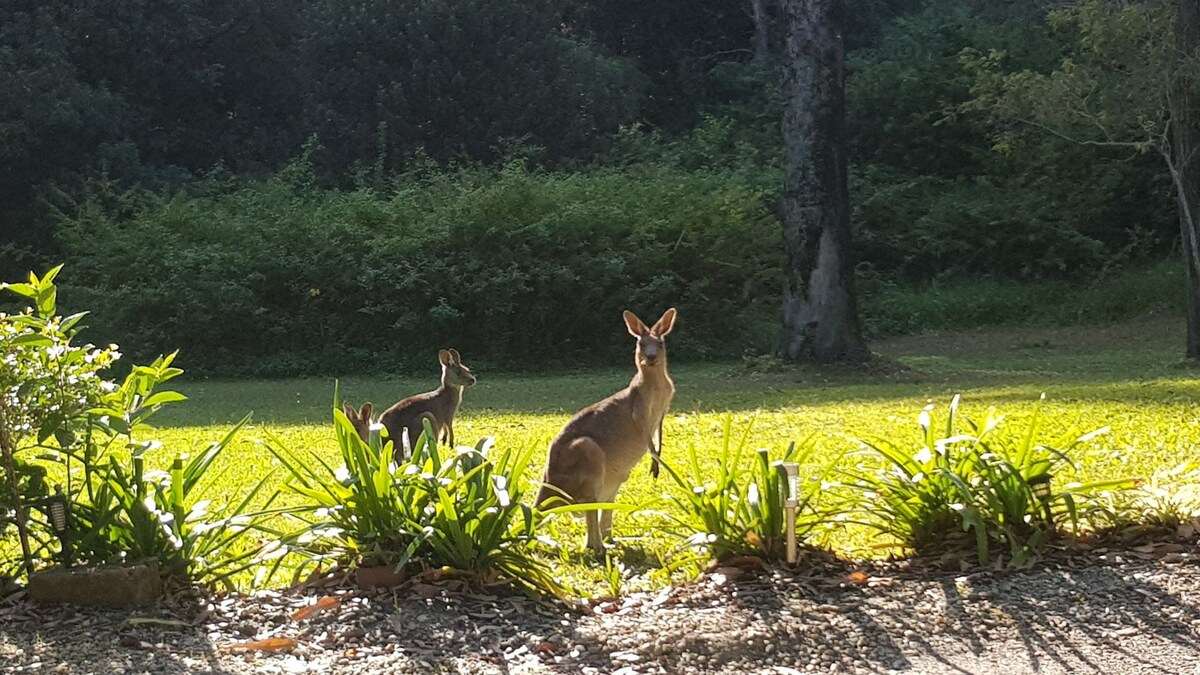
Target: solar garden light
{"points": [[58, 511], [1040, 485], [791, 501]]}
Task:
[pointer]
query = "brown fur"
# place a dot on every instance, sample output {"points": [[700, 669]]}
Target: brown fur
{"points": [[599, 447], [438, 406]]}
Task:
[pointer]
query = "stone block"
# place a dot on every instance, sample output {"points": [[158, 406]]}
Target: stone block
{"points": [[101, 586]]}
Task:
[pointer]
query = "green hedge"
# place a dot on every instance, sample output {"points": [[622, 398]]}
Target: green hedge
{"points": [[512, 268]]}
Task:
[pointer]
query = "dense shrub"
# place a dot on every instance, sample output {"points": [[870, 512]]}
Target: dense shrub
{"points": [[937, 196], [507, 266], [895, 309]]}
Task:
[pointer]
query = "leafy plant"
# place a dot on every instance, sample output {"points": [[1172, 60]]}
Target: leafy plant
{"points": [[741, 509], [460, 509], [1005, 493], [667, 237], [47, 386], [1169, 499], [134, 514], [56, 404], [614, 576]]}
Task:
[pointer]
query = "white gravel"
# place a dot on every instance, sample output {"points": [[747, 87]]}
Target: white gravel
{"points": [[1120, 613]]}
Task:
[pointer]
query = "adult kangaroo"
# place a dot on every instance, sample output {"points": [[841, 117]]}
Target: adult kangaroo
{"points": [[598, 448]]}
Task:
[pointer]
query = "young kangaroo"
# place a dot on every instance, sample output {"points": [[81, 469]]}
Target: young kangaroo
{"points": [[598, 448], [438, 406]]}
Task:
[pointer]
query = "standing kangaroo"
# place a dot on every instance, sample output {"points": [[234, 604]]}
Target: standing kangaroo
{"points": [[598, 448], [438, 406]]}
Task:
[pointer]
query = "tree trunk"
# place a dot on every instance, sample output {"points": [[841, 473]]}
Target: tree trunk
{"points": [[820, 315], [1185, 159], [762, 45]]}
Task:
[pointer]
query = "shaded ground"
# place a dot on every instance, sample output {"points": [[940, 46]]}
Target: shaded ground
{"points": [[935, 364], [1121, 613]]}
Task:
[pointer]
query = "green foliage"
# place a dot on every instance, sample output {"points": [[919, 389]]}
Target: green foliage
{"points": [[1109, 88], [462, 511], [1008, 493], [48, 385], [134, 514], [56, 404], [512, 267], [740, 509], [948, 105], [1168, 499], [894, 309], [455, 79], [48, 382], [938, 194]]}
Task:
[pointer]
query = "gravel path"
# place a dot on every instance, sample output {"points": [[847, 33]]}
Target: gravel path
{"points": [[1121, 613]]}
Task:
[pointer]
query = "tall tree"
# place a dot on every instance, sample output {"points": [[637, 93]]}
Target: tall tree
{"points": [[820, 315], [1184, 165], [762, 43]]}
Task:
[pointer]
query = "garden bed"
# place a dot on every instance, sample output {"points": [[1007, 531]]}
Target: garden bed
{"points": [[1118, 613]]}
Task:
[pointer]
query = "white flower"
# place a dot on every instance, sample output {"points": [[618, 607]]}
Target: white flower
{"points": [[923, 456], [923, 418]]}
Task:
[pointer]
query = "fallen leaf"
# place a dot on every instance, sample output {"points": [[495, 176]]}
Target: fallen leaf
{"points": [[857, 577], [325, 603], [268, 645], [546, 648]]}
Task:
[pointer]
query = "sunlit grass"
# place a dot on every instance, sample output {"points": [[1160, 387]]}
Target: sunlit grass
{"points": [[1092, 379]]}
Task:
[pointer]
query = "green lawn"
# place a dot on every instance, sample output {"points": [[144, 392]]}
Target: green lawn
{"points": [[1128, 376]]}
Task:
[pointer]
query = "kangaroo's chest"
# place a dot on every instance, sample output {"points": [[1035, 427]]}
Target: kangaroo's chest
{"points": [[654, 408]]}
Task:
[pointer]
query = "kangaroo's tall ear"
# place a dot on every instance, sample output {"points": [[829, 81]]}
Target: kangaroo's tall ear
{"points": [[367, 409], [349, 411], [444, 357], [455, 355], [665, 324], [634, 324]]}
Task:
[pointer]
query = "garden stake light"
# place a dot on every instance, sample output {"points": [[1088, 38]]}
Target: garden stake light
{"points": [[792, 471], [1041, 490], [56, 509]]}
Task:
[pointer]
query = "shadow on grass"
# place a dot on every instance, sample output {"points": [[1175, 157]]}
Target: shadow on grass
{"points": [[700, 390]]}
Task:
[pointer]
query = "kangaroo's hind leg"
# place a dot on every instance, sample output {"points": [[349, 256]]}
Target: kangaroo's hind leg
{"points": [[577, 469], [606, 518]]}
